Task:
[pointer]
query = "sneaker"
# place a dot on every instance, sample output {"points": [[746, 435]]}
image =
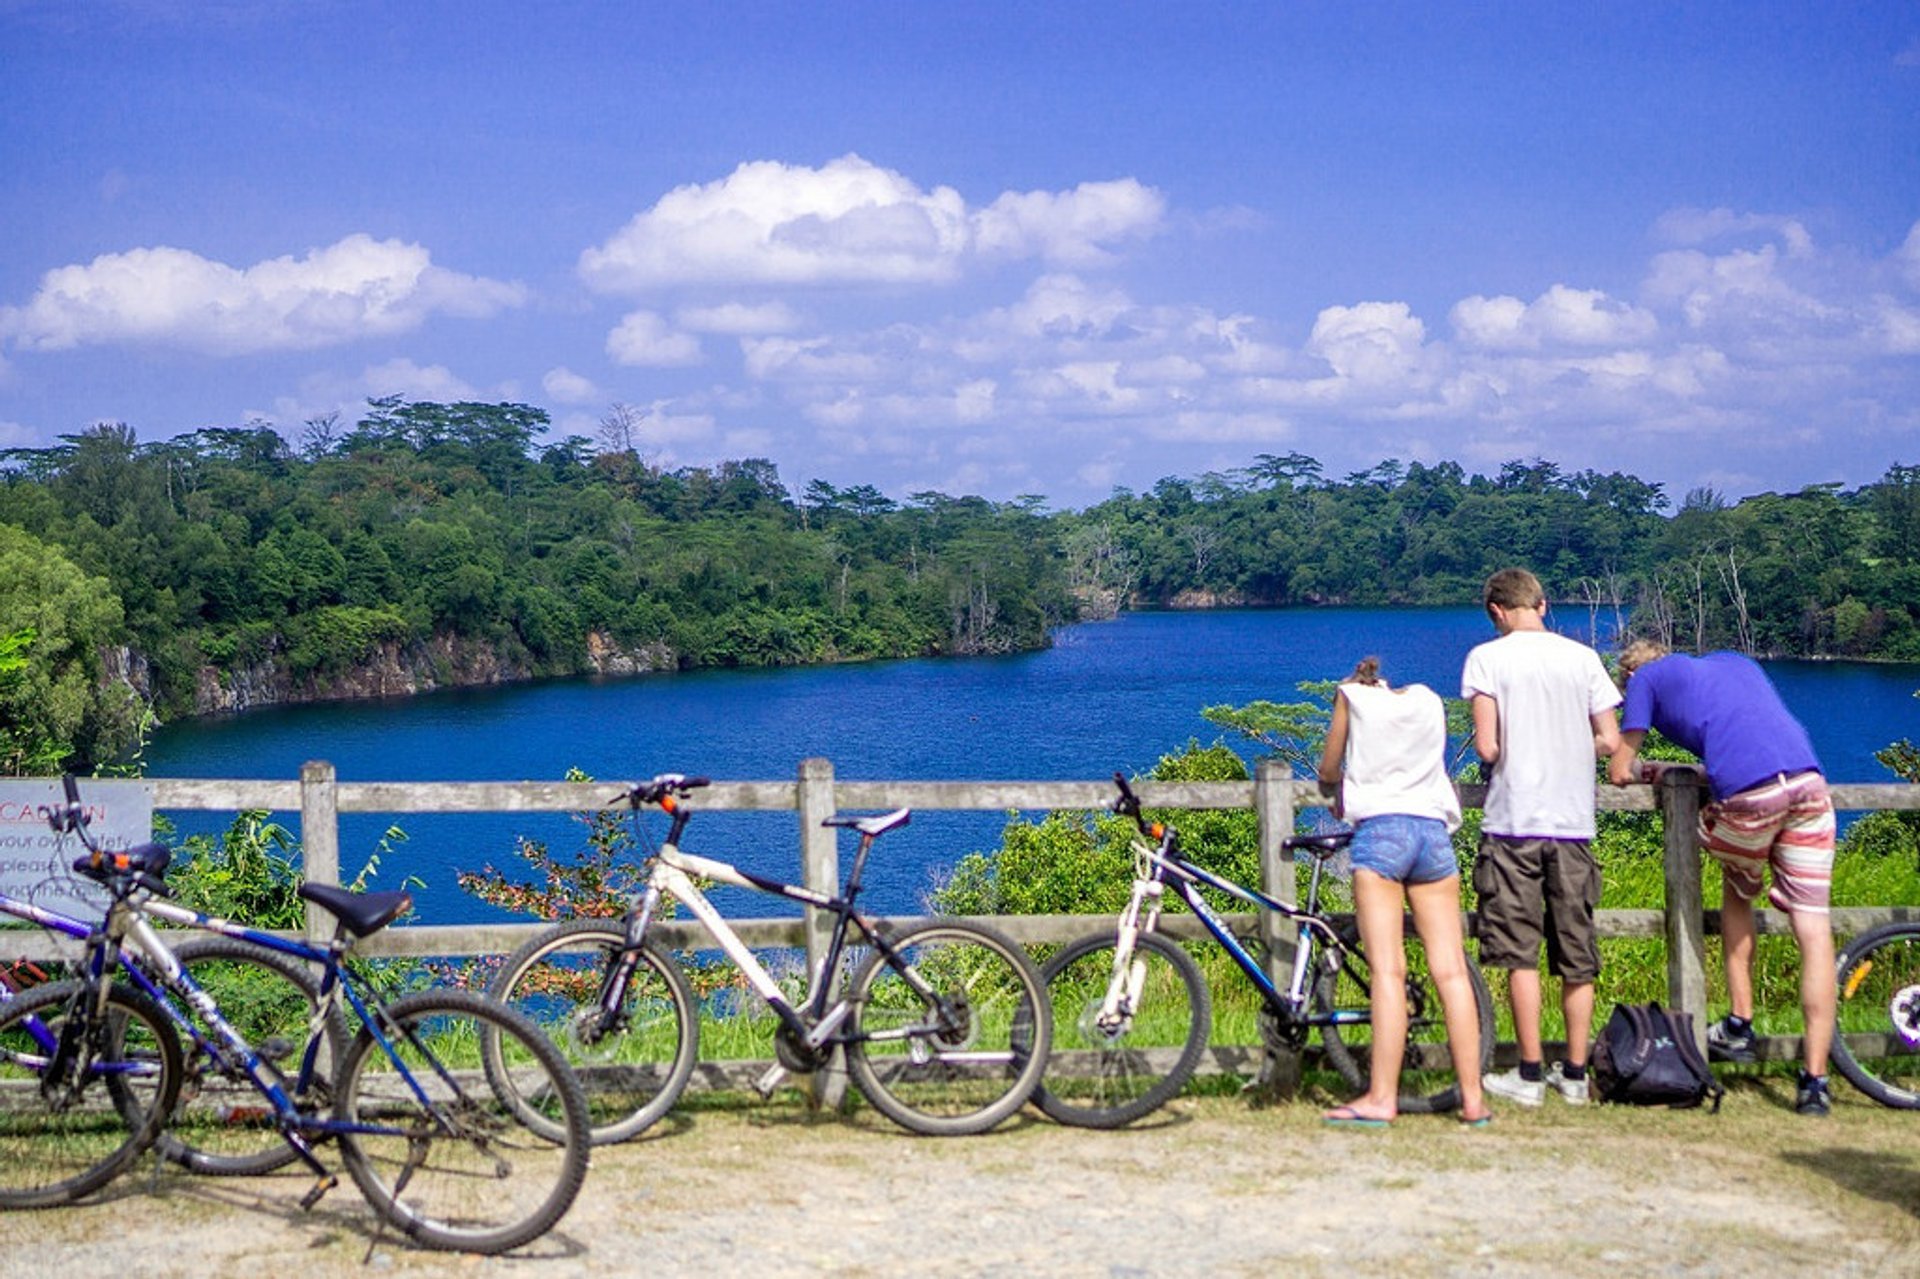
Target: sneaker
{"points": [[1813, 1098], [1572, 1091], [1727, 1044], [1522, 1092]]}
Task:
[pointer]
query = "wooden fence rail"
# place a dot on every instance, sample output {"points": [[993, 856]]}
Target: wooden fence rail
{"points": [[319, 797]]}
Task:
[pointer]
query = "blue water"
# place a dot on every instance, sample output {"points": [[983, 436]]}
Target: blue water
{"points": [[1106, 696]]}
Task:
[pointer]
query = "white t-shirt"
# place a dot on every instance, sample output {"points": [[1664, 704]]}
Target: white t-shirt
{"points": [[1548, 689], [1396, 755]]}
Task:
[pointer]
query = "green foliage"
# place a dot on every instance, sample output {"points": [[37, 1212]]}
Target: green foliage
{"points": [[1082, 862], [250, 873], [1292, 732], [598, 881]]}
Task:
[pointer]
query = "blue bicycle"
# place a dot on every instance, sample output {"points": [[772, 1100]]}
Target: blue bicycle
{"points": [[92, 1072]]}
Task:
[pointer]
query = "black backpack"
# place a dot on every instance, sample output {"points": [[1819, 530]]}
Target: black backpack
{"points": [[1646, 1056]]}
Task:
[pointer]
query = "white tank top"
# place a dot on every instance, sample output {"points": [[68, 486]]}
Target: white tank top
{"points": [[1397, 754]]}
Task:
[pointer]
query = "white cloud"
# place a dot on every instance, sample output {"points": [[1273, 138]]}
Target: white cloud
{"points": [[739, 318], [1380, 344], [416, 382], [853, 222], [564, 386], [645, 338], [1691, 226], [356, 288], [1560, 317]]}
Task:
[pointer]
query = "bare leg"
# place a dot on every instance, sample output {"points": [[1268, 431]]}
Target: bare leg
{"points": [[1378, 903], [1523, 991], [1815, 937], [1576, 1001], [1436, 915], [1736, 937]]}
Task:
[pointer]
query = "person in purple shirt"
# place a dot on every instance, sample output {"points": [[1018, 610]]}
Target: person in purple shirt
{"points": [[1769, 811]]}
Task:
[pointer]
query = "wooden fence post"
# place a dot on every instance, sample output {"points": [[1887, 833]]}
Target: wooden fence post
{"points": [[820, 863], [319, 839], [1273, 803], [1679, 791]]}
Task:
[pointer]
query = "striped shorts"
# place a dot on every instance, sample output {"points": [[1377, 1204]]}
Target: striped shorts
{"points": [[1787, 824]]}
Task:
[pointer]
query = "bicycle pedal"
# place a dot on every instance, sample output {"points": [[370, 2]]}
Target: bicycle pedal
{"points": [[320, 1188], [770, 1081]]}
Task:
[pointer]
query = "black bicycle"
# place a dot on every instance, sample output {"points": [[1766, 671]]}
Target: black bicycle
{"points": [[1132, 1013], [1876, 1042]]}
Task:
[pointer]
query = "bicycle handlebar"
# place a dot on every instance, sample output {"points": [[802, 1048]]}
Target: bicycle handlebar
{"points": [[664, 787]]}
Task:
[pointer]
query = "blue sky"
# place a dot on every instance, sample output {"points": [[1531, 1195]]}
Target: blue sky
{"points": [[984, 248]]}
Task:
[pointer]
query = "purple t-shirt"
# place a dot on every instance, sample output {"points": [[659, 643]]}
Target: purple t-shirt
{"points": [[1723, 708]]}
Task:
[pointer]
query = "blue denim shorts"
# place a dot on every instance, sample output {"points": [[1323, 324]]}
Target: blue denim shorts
{"points": [[1407, 850]]}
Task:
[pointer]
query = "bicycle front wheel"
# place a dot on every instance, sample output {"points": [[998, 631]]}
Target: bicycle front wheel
{"points": [[1343, 1010], [632, 1069], [1106, 1076], [1876, 1042], [433, 1147], [64, 1137], [952, 1038], [224, 1125]]}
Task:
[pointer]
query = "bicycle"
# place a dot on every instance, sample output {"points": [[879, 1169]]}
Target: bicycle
{"points": [[91, 1069], [1132, 1011], [1876, 1042], [215, 1129], [942, 1024]]}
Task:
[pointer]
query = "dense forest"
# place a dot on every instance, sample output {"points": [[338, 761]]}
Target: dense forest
{"points": [[436, 543]]}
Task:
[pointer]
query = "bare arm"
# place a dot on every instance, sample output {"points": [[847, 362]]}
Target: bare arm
{"points": [[1486, 728], [1623, 766], [1606, 732], [1334, 754]]}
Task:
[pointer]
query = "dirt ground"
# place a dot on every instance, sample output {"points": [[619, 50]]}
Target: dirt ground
{"points": [[1213, 1186]]}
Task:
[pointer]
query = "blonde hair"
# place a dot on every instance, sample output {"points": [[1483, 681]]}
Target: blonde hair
{"points": [[1638, 653], [1512, 588]]}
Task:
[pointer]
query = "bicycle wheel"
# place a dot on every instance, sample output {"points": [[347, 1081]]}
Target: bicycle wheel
{"points": [[1107, 1077], [635, 1070], [224, 1125], [1876, 1042], [438, 1153], [1343, 1011], [955, 1039], [61, 1138]]}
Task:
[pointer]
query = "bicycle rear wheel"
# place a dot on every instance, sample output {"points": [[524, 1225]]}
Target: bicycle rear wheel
{"points": [[61, 1138], [954, 1039], [633, 1070], [1343, 1010], [1876, 1042], [224, 1126], [458, 1170], [1101, 1077]]}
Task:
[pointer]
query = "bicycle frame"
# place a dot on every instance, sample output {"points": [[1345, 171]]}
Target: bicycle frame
{"points": [[814, 1023]]}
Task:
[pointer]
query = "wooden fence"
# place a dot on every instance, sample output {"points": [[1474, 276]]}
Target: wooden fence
{"points": [[319, 797]]}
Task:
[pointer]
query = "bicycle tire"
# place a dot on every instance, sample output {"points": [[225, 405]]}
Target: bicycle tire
{"points": [[1341, 998], [1101, 1079], [223, 1125], [57, 1148], [633, 1075], [458, 1170], [964, 1063], [1876, 1042]]}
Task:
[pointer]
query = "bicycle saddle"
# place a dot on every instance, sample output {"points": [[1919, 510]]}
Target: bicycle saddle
{"points": [[361, 913], [1325, 845], [871, 826]]}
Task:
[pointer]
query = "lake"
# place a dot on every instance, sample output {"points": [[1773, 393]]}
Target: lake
{"points": [[1106, 696]]}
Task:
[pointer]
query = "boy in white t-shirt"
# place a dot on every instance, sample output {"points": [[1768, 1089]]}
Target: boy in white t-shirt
{"points": [[1543, 712]]}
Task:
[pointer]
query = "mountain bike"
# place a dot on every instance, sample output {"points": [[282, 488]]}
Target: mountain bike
{"points": [[1132, 1010], [1876, 1042], [217, 1128], [91, 1069], [942, 1023]]}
